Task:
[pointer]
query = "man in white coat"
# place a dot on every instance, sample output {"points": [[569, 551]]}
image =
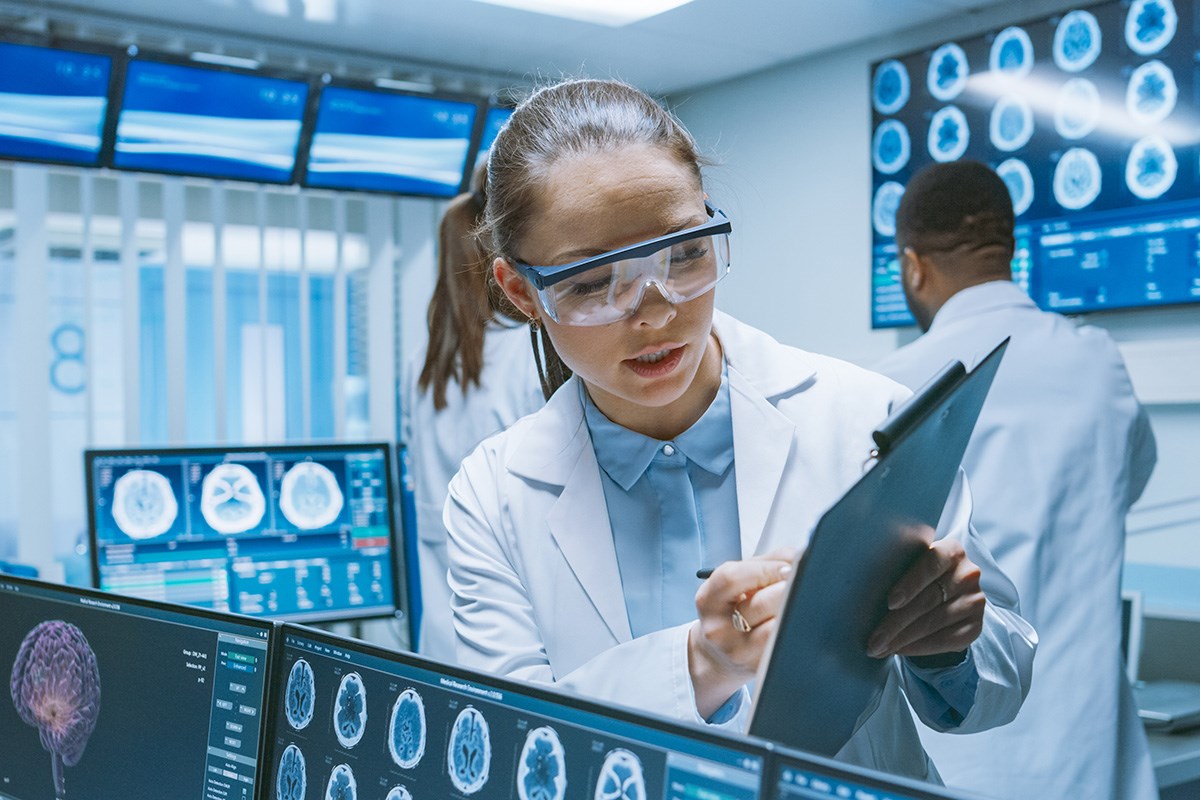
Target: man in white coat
{"points": [[1061, 450]]}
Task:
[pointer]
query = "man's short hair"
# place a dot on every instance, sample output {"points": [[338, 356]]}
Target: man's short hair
{"points": [[958, 206]]}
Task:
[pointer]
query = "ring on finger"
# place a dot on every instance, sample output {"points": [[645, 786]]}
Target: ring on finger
{"points": [[740, 623]]}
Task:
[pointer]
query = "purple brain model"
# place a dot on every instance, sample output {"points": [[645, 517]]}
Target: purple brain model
{"points": [[56, 688]]}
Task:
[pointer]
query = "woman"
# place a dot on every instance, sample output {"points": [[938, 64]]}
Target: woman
{"points": [[474, 377], [680, 438]]}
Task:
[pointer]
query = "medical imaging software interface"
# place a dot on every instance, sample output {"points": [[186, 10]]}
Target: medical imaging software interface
{"points": [[110, 698], [1089, 116], [797, 778], [285, 532], [351, 721]]}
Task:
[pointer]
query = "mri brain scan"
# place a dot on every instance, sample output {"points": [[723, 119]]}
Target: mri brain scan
{"points": [[1077, 179], [542, 771], [1150, 26], [891, 147], [1011, 123], [1076, 41], [1011, 55], [231, 500], [948, 72], [406, 732], [342, 785], [1078, 109], [621, 777], [1151, 167], [1016, 176], [309, 496], [350, 710], [883, 208], [948, 134], [144, 504], [1151, 93], [292, 780], [890, 89], [299, 695], [470, 754], [398, 793]]}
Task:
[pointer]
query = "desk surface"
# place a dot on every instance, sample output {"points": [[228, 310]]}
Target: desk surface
{"points": [[1176, 757]]}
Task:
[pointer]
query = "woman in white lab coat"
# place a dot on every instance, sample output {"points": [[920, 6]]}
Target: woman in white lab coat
{"points": [[550, 534]]}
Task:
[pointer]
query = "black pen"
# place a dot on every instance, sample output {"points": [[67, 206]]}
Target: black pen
{"points": [[704, 573]]}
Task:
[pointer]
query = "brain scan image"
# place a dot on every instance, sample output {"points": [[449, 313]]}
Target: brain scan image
{"points": [[1017, 177], [350, 710], [1151, 167], [1011, 55], [299, 696], [1078, 109], [1076, 41], [342, 785], [948, 72], [309, 496], [1011, 123], [231, 499], [1150, 26], [890, 89], [292, 779], [470, 752], [398, 793], [407, 730], [144, 504], [542, 771], [891, 147], [1077, 179], [948, 134], [1151, 94], [55, 688], [883, 208], [621, 777]]}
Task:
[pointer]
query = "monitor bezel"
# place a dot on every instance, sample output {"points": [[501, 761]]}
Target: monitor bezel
{"points": [[396, 536]]}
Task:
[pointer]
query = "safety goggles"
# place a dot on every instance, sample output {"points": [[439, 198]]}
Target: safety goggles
{"points": [[610, 286]]}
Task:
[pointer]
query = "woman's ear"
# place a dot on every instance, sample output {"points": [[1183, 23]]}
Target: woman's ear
{"points": [[516, 288]]}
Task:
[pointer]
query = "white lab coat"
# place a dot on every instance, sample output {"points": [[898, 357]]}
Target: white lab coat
{"points": [[537, 591], [1060, 451], [439, 440]]}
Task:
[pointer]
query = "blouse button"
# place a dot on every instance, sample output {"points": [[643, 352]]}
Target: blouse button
{"points": [[668, 450]]}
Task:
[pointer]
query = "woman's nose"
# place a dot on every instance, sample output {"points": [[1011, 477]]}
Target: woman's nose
{"points": [[654, 309]]}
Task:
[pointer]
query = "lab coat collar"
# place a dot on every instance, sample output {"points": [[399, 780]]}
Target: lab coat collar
{"points": [[980, 299]]}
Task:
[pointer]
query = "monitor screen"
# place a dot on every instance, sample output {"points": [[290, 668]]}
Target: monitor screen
{"points": [[52, 103], [354, 721], [1091, 118], [801, 776], [209, 122], [287, 532], [390, 142], [111, 697], [492, 123]]}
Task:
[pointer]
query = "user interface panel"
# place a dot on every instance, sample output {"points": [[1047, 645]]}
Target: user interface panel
{"points": [[353, 721], [1090, 117], [111, 697], [800, 776], [302, 533]]}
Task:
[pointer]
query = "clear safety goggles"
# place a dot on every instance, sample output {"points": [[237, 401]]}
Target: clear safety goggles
{"points": [[610, 286]]}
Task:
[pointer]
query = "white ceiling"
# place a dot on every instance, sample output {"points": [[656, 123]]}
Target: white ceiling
{"points": [[697, 44]]}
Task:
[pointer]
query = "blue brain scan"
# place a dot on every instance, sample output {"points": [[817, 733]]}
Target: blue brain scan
{"points": [[309, 496], [398, 793], [342, 785], [231, 501], [299, 695], [1078, 109], [621, 777], [350, 710], [891, 147], [1011, 123], [542, 771], [948, 72], [890, 89], [470, 753], [1151, 167], [1076, 41], [1150, 26], [1011, 55], [143, 504], [407, 730], [1017, 177], [1077, 179], [948, 134], [883, 208], [291, 781], [1151, 93]]}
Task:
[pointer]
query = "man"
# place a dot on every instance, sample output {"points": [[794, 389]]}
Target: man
{"points": [[1061, 450]]}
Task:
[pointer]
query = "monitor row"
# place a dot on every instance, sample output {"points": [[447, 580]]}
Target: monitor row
{"points": [[119, 697]]}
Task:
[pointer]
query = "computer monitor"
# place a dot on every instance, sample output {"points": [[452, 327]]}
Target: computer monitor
{"points": [[297, 532], [396, 727], [492, 123], [801, 776], [109, 696]]}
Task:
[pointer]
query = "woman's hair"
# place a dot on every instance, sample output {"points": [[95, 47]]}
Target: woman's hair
{"points": [[464, 299], [574, 117]]}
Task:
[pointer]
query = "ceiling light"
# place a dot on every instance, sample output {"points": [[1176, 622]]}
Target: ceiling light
{"points": [[602, 12], [223, 60]]}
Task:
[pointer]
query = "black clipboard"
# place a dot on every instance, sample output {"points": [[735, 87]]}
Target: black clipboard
{"points": [[816, 679]]}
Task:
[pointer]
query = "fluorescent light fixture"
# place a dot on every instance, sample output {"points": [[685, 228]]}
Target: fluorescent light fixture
{"points": [[225, 61], [614, 13], [404, 86]]}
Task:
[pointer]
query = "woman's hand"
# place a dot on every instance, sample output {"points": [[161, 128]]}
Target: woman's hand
{"points": [[935, 609], [722, 658]]}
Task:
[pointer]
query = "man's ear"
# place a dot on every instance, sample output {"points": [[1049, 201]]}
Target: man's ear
{"points": [[516, 288], [916, 273]]}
